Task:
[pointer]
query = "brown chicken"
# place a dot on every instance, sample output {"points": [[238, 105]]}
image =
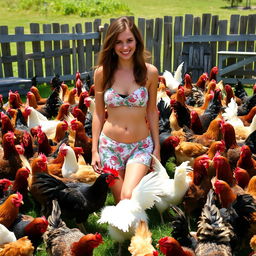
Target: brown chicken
{"points": [[213, 133], [188, 151], [195, 197], [251, 188], [10, 160], [169, 246], [247, 119], [242, 177], [39, 99], [246, 161], [31, 227], [232, 148], [82, 140], [21, 247], [61, 131], [60, 240], [141, 242], [63, 112], [253, 245], [10, 208], [79, 114]]}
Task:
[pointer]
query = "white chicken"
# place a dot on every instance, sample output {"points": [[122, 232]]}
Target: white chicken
{"points": [[74, 169], [174, 189], [35, 118], [230, 116], [6, 236], [173, 82], [123, 218]]}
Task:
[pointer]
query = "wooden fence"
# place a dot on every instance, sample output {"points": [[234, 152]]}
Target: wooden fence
{"points": [[61, 49]]}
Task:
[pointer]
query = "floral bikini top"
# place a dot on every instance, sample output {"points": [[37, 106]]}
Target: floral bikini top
{"points": [[137, 98]]}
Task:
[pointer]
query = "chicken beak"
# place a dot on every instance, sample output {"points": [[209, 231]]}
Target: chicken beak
{"points": [[22, 202], [157, 246]]}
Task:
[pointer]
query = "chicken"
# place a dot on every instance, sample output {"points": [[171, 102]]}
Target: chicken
{"points": [[167, 146], [173, 82], [251, 142], [82, 140], [123, 218], [223, 169], [188, 151], [238, 210], [61, 240], [246, 161], [232, 151], [214, 235], [170, 246], [247, 119], [4, 186], [10, 208], [173, 189], [33, 228], [181, 230], [35, 119], [195, 196], [39, 99], [20, 184], [6, 235], [10, 161], [196, 125], [230, 115], [212, 134], [251, 188], [21, 247], [212, 110], [242, 177], [71, 168], [253, 245], [141, 242], [82, 198]]}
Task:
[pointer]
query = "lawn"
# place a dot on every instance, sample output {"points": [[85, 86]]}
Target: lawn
{"points": [[144, 9]]}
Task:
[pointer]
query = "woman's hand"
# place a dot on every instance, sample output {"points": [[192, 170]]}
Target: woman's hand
{"points": [[156, 153], [96, 164]]}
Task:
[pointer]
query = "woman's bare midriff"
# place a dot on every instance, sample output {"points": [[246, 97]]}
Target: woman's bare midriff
{"points": [[126, 124]]}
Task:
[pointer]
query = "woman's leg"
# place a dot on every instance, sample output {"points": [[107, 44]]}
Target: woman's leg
{"points": [[117, 187], [133, 174]]}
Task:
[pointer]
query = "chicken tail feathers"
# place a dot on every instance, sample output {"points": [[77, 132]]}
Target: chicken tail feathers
{"points": [[54, 219], [181, 229], [211, 226], [178, 73], [48, 185]]}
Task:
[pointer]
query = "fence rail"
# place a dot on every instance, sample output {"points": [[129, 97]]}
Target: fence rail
{"points": [[55, 48]]}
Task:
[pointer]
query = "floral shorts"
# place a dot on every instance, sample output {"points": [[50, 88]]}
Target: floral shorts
{"points": [[117, 155]]}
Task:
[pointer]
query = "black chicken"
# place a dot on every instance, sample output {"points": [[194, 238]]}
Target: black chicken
{"points": [[240, 92], [248, 104], [212, 110], [251, 142], [76, 200], [164, 115], [182, 112]]}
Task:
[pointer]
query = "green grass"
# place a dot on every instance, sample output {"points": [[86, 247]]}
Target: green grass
{"points": [[143, 8]]}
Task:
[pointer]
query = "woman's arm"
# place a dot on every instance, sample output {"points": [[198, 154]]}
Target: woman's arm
{"points": [[98, 117], [152, 111]]}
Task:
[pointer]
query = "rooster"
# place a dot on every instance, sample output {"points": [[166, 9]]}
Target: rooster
{"points": [[83, 198], [214, 235], [141, 242], [173, 189], [61, 240], [123, 218]]}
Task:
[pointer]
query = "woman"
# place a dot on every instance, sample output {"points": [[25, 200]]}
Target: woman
{"points": [[127, 86]]}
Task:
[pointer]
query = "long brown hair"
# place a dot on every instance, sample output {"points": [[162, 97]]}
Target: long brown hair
{"points": [[108, 58]]}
